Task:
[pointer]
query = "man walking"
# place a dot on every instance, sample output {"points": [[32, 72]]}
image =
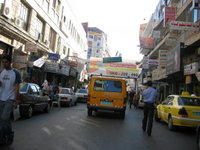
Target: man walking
{"points": [[149, 95], [9, 90]]}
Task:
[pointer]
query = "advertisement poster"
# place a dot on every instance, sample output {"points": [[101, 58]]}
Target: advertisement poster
{"points": [[173, 60]]}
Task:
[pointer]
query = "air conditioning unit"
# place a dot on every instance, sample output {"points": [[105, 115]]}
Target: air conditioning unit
{"points": [[6, 12], [18, 22], [195, 4]]}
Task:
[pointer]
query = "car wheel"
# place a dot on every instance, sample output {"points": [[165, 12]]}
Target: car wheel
{"points": [[47, 109], [89, 112], [28, 113], [156, 116], [170, 123]]}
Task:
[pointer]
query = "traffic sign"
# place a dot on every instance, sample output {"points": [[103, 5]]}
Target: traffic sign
{"points": [[112, 59]]}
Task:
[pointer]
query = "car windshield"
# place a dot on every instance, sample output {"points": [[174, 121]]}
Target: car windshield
{"points": [[108, 86], [64, 91], [23, 88], [82, 91], [189, 101]]}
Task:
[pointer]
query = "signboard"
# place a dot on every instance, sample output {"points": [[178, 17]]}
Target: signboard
{"points": [[188, 79], [153, 62], [173, 60], [52, 56], [29, 47], [181, 25], [191, 68], [113, 69], [156, 34], [147, 42], [158, 74], [163, 58], [169, 14], [112, 59], [20, 62]]}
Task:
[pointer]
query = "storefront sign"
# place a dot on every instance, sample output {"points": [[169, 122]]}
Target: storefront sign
{"points": [[153, 62], [188, 79], [163, 58], [63, 69], [147, 42], [169, 14], [181, 25], [158, 74], [51, 67], [29, 47], [52, 56], [173, 60], [20, 62], [191, 68]]}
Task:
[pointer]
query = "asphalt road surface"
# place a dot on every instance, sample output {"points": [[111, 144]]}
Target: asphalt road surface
{"points": [[71, 129]]}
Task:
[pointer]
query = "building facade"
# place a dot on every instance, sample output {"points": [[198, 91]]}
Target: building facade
{"points": [[170, 44], [44, 38]]}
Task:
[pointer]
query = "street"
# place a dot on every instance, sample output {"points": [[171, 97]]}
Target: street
{"points": [[71, 129]]}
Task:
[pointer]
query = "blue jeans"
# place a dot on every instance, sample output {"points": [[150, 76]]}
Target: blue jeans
{"points": [[6, 108]]}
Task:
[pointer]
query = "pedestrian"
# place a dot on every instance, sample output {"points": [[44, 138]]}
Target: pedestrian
{"points": [[131, 95], [9, 96], [149, 95], [136, 99], [45, 87]]}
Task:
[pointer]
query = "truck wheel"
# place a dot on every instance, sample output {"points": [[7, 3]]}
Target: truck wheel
{"points": [[89, 112]]}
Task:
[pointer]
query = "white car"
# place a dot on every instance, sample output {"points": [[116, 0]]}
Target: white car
{"points": [[67, 97], [82, 95]]}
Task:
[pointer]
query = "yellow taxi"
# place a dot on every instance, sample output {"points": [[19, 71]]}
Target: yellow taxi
{"points": [[179, 110]]}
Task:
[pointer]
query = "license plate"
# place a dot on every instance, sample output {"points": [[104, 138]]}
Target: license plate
{"points": [[196, 113], [106, 103]]}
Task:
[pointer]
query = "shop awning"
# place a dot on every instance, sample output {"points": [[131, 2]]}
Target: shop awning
{"points": [[39, 63]]}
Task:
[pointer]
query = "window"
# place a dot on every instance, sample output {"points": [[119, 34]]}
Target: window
{"points": [[91, 36], [108, 85], [33, 89], [189, 101], [98, 44], [46, 5], [52, 38], [65, 91], [99, 38], [23, 16], [39, 29], [196, 15], [64, 50]]}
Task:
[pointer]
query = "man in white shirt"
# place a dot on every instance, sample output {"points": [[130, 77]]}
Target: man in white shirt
{"points": [[9, 93]]}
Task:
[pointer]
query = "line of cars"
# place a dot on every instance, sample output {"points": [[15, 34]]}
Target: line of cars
{"points": [[32, 99]]}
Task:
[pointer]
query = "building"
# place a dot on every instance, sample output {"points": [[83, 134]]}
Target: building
{"points": [[97, 43], [171, 45], [44, 38]]}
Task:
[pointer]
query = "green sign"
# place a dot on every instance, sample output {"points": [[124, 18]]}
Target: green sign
{"points": [[112, 59]]}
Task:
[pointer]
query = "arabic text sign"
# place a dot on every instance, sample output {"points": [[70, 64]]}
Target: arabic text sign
{"points": [[181, 25]]}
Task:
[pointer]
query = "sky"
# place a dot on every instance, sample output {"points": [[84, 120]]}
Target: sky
{"points": [[119, 19]]}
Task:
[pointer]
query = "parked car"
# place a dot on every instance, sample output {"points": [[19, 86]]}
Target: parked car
{"points": [[32, 100], [198, 137], [82, 95], [67, 96], [179, 110]]}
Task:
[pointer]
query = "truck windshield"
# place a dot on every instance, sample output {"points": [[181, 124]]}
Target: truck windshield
{"points": [[108, 85]]}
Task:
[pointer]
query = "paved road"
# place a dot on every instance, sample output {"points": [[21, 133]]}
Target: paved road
{"points": [[71, 129]]}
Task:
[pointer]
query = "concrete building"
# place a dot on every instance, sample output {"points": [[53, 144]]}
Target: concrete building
{"points": [[97, 43], [44, 38], [173, 62]]}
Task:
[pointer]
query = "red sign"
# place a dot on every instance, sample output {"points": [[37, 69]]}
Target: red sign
{"points": [[147, 42], [169, 14]]}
